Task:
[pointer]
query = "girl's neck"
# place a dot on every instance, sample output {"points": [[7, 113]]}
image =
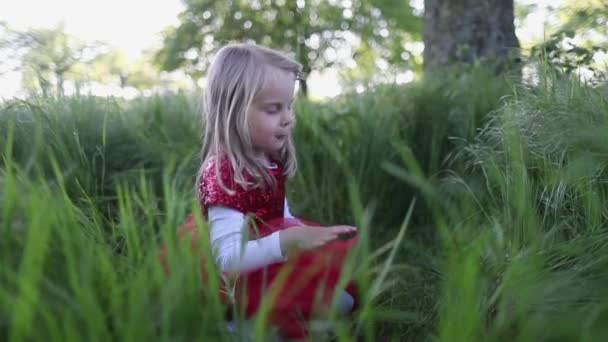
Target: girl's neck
{"points": [[268, 161]]}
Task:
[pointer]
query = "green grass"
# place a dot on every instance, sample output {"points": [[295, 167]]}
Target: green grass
{"points": [[506, 240]]}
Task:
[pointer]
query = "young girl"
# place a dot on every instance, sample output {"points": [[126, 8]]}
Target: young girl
{"points": [[247, 155]]}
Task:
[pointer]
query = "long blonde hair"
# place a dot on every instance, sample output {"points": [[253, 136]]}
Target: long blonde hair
{"points": [[235, 76]]}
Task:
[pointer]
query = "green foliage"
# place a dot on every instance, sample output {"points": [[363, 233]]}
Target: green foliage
{"points": [[432, 117], [97, 141], [506, 238], [559, 52], [313, 30], [585, 16], [535, 248], [47, 57], [578, 42], [112, 67], [126, 169]]}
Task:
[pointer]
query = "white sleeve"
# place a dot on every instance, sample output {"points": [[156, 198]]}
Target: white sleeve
{"points": [[231, 254], [286, 212]]}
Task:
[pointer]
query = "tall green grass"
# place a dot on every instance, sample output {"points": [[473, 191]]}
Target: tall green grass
{"points": [[524, 228], [506, 240]]}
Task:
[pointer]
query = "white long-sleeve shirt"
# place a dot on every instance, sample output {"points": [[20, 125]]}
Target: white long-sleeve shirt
{"points": [[226, 228]]}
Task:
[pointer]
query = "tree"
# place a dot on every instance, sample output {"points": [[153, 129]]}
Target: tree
{"points": [[110, 66], [578, 39], [318, 32], [468, 30], [143, 74], [586, 17], [47, 56]]}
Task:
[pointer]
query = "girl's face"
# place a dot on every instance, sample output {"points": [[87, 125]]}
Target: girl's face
{"points": [[271, 116]]}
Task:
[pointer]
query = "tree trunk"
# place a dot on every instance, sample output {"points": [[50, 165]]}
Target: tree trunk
{"points": [[59, 85], [468, 30], [304, 87], [301, 23], [45, 85], [78, 86]]}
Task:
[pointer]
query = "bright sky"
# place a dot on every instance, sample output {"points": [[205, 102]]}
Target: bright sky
{"points": [[134, 25]]}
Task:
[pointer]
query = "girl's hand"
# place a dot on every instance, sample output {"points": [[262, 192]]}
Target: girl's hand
{"points": [[307, 238]]}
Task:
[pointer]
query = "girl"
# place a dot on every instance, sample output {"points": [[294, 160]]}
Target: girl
{"points": [[247, 155]]}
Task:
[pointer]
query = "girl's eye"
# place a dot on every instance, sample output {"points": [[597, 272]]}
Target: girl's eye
{"points": [[273, 110]]}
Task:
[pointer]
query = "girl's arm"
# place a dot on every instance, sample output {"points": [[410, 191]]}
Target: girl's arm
{"points": [[231, 255]]}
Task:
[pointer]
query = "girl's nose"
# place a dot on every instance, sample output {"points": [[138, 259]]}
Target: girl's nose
{"points": [[288, 119]]}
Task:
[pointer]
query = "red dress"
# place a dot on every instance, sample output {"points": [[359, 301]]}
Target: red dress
{"points": [[309, 277]]}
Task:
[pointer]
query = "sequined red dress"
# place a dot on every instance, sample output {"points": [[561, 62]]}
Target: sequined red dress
{"points": [[308, 277]]}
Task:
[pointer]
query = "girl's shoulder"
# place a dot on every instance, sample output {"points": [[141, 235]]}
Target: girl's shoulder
{"points": [[215, 164], [220, 168], [217, 172], [217, 185]]}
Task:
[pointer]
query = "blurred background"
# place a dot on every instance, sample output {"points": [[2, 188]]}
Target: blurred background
{"points": [[466, 139], [131, 48]]}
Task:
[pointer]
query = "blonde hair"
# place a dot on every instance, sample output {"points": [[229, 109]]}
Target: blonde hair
{"points": [[236, 75]]}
